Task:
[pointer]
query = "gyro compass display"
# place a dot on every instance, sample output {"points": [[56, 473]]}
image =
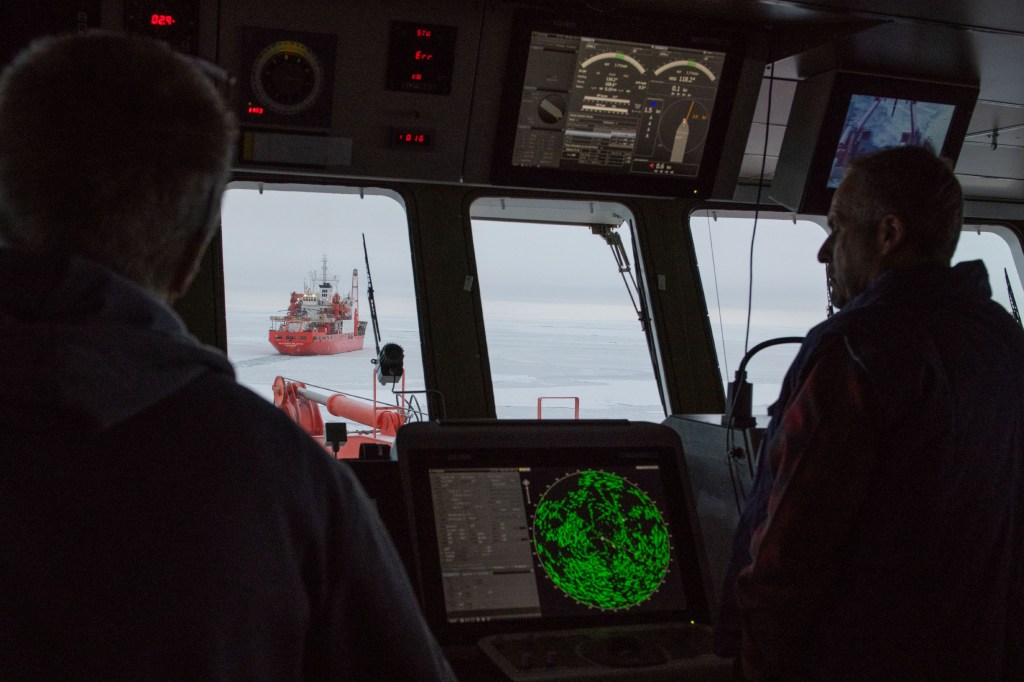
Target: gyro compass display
{"points": [[601, 540]]}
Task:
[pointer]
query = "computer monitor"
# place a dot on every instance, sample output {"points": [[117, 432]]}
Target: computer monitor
{"points": [[591, 107], [874, 122], [838, 116], [527, 526]]}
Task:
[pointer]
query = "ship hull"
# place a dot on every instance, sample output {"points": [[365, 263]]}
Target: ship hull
{"points": [[309, 343], [319, 321]]}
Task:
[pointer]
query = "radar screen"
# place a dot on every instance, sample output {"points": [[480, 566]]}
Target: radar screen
{"points": [[615, 107], [601, 540], [546, 542]]}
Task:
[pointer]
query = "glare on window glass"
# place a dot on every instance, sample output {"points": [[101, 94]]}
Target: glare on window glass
{"points": [[788, 293], [560, 324], [290, 261]]}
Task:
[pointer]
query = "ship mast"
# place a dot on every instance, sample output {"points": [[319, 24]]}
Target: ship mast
{"points": [[355, 300]]}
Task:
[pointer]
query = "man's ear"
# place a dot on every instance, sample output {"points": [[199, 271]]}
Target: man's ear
{"points": [[892, 233], [188, 264]]}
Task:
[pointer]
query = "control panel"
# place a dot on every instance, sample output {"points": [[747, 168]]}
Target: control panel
{"points": [[355, 90], [665, 651]]}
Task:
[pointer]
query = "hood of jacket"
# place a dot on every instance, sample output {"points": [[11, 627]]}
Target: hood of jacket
{"points": [[84, 348]]}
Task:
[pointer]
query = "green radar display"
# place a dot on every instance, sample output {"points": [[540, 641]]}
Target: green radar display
{"points": [[601, 540]]}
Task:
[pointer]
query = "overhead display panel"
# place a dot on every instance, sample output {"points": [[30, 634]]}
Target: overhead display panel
{"points": [[594, 108], [616, 107], [838, 116], [873, 123]]}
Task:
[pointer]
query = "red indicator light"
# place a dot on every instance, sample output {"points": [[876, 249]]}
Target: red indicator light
{"points": [[161, 20], [420, 58], [411, 138], [255, 110]]}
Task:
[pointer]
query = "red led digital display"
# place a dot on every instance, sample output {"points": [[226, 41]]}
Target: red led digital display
{"points": [[411, 137], [255, 110], [175, 22], [421, 57]]}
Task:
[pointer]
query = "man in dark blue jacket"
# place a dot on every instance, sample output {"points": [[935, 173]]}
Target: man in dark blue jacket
{"points": [[886, 530], [157, 520]]}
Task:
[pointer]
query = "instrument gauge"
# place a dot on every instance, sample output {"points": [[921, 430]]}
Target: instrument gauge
{"points": [[287, 77]]}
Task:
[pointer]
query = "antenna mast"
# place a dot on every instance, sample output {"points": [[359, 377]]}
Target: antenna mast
{"points": [[1013, 301], [369, 297]]}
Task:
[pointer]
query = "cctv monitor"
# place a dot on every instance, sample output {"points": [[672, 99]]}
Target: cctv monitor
{"points": [[838, 116]]}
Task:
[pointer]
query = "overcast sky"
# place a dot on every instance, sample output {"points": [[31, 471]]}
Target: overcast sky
{"points": [[272, 240], [536, 272]]}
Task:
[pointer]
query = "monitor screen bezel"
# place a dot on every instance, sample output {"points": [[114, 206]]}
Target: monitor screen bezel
{"points": [[817, 196], [693, 35], [587, 452]]}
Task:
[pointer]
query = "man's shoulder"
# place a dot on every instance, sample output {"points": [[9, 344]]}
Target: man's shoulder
{"points": [[216, 414], [230, 396], [882, 326], [822, 339]]}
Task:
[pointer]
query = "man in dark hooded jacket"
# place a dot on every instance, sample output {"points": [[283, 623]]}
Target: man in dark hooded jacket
{"points": [[884, 537], [157, 520]]}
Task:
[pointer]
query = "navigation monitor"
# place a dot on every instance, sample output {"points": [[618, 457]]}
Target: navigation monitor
{"points": [[838, 116], [615, 107], [557, 533], [596, 111]]}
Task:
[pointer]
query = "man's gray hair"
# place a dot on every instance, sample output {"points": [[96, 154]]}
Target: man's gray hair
{"points": [[112, 148], [919, 187]]}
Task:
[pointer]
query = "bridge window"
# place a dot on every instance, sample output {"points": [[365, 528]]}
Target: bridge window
{"points": [[1000, 249], [789, 291], [559, 320], [275, 241]]}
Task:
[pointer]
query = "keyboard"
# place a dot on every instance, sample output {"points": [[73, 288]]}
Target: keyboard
{"points": [[661, 651]]}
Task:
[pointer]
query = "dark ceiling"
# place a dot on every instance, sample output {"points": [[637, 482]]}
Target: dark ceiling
{"points": [[968, 41]]}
